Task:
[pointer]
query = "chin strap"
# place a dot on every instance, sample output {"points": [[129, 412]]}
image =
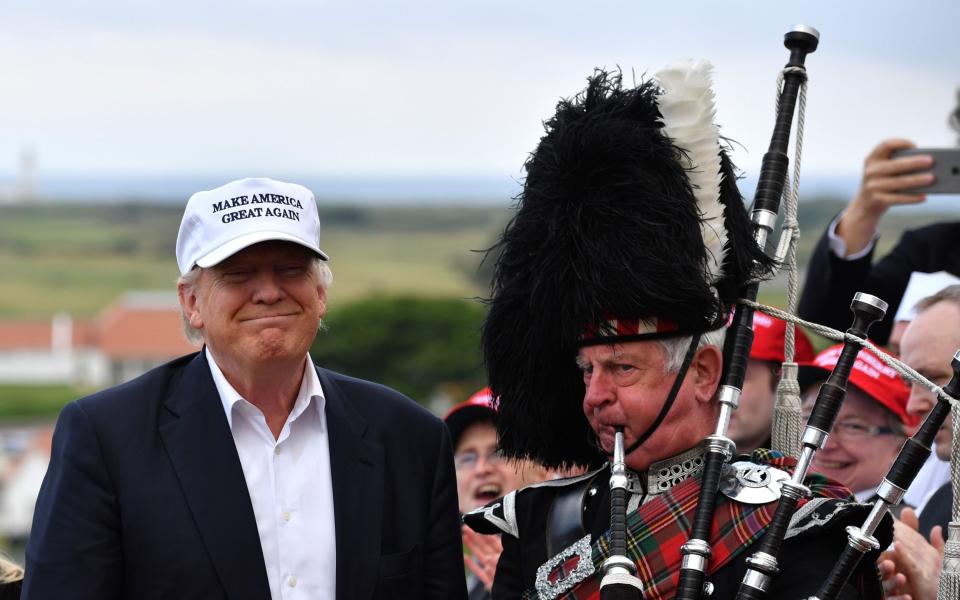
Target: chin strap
{"points": [[677, 382]]}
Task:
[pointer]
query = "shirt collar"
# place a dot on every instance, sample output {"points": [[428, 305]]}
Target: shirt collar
{"points": [[310, 389], [865, 495]]}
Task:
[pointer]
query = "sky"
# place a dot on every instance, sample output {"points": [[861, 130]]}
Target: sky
{"points": [[434, 90]]}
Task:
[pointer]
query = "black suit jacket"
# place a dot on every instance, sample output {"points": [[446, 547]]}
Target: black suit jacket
{"points": [[938, 511], [10, 591], [145, 497], [831, 281]]}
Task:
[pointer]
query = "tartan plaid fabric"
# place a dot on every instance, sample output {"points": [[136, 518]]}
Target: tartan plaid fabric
{"points": [[658, 528]]}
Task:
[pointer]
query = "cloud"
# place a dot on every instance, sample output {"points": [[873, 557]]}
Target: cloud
{"points": [[413, 88]]}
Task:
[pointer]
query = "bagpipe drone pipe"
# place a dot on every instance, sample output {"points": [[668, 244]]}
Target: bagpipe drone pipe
{"points": [[913, 454], [696, 552], [763, 567]]}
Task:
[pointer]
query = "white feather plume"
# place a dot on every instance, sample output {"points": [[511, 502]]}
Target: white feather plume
{"points": [[687, 106]]}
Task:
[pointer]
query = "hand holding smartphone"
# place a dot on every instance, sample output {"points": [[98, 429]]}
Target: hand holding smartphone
{"points": [[946, 169]]}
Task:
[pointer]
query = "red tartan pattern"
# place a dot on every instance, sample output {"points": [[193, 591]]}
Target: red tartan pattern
{"points": [[658, 528], [629, 327]]}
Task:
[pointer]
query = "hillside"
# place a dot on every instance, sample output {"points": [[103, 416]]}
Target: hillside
{"points": [[79, 257]]}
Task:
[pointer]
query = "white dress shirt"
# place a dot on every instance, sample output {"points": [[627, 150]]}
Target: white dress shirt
{"points": [[290, 487], [839, 247]]}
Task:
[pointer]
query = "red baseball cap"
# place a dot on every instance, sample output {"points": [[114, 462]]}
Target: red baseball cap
{"points": [[869, 374], [478, 407], [768, 337]]}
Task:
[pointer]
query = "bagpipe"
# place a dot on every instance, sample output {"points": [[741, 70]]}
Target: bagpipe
{"points": [[619, 572], [587, 260], [867, 309]]}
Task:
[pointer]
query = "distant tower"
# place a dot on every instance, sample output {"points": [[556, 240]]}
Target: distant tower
{"points": [[25, 190]]}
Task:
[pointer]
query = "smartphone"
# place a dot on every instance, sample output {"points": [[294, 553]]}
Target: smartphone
{"points": [[946, 169]]}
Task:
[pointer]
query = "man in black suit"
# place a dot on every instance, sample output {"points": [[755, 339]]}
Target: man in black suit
{"points": [[928, 346], [842, 262], [244, 471]]}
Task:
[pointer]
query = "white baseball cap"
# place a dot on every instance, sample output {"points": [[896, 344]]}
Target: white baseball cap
{"points": [[219, 223]]}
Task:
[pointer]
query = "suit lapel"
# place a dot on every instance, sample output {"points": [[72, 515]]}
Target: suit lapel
{"points": [[357, 469], [198, 441]]}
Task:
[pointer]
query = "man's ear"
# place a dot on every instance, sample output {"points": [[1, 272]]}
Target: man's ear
{"points": [[706, 369], [190, 304]]}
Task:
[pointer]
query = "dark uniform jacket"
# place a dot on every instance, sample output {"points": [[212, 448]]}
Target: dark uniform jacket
{"points": [[832, 281], [807, 557], [10, 591], [145, 497]]}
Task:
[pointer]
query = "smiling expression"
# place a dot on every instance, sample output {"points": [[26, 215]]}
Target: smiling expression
{"points": [[859, 463], [261, 305]]}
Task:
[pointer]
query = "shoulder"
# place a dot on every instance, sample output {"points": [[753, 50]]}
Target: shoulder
{"points": [[137, 404], [830, 507], [388, 416], [521, 509], [933, 234], [355, 387], [143, 393]]}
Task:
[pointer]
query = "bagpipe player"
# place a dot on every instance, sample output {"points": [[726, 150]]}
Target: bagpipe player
{"points": [[612, 291]]}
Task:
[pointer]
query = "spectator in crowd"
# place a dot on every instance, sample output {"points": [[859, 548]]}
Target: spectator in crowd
{"points": [[935, 472], [928, 346], [919, 286], [929, 343], [11, 577], [244, 470], [842, 265], [750, 425], [483, 475], [872, 423]]}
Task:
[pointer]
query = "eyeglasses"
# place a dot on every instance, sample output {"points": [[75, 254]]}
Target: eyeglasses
{"points": [[467, 461], [852, 429], [859, 430]]}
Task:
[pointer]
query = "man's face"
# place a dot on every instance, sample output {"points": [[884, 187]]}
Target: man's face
{"points": [[627, 385], [750, 424], [260, 306], [928, 346], [859, 451], [896, 336], [483, 476]]}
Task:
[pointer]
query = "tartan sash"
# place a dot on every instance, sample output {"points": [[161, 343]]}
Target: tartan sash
{"points": [[659, 527]]}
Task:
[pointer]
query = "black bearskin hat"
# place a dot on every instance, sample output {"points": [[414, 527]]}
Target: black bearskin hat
{"points": [[607, 225]]}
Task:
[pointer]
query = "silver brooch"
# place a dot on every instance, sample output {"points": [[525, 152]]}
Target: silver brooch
{"points": [[751, 483], [565, 570]]}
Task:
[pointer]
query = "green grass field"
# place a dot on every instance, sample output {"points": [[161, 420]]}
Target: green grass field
{"points": [[79, 258], [32, 401]]}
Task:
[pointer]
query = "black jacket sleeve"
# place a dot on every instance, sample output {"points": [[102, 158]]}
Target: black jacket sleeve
{"points": [[75, 541], [443, 575], [832, 281]]}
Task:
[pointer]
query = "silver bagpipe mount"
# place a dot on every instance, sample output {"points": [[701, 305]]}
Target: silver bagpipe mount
{"points": [[619, 580]]}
